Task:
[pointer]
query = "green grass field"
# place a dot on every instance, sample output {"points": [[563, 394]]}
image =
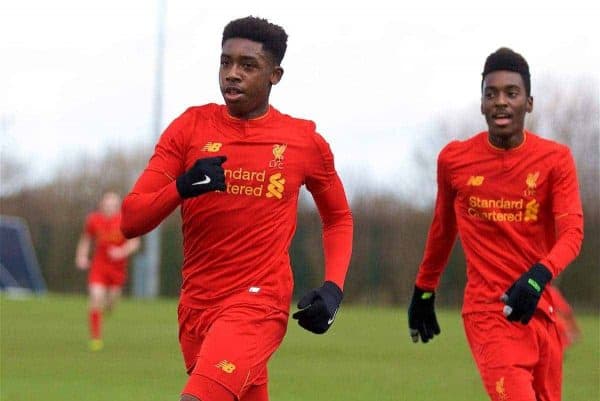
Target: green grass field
{"points": [[367, 355]]}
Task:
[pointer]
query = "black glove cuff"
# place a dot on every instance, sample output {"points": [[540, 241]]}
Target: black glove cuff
{"points": [[418, 294], [180, 184], [541, 274], [333, 290]]}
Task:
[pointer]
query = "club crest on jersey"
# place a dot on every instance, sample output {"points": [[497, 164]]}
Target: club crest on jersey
{"points": [[278, 151], [531, 182]]}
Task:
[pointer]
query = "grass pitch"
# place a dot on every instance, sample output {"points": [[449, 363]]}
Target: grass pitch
{"points": [[367, 355]]}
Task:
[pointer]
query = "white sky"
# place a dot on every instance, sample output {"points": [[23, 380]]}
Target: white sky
{"points": [[76, 76]]}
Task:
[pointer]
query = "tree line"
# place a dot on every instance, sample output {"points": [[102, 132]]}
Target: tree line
{"points": [[390, 230]]}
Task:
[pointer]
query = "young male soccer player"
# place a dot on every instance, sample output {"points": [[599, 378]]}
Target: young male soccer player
{"points": [[514, 200], [108, 268], [236, 170]]}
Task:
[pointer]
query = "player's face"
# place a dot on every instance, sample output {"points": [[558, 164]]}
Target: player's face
{"points": [[110, 204], [246, 75], [504, 102]]}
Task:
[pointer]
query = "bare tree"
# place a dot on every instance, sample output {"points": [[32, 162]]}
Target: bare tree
{"points": [[569, 112]]}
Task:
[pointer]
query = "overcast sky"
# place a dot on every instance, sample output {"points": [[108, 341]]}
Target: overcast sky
{"points": [[76, 76]]}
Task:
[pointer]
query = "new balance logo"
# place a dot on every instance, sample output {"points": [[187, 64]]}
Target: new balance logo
{"points": [[225, 366], [212, 147], [475, 180]]}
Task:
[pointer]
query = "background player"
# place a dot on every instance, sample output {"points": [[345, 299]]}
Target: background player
{"points": [[236, 170], [108, 268], [513, 197]]}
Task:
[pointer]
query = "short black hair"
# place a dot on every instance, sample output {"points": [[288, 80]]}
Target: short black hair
{"points": [[272, 37], [505, 59]]}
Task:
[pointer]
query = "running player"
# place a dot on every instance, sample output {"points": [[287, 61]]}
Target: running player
{"points": [[513, 198], [108, 267], [236, 170]]}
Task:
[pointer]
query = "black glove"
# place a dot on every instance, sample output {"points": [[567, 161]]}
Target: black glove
{"points": [[421, 316], [319, 307], [522, 297], [204, 176]]}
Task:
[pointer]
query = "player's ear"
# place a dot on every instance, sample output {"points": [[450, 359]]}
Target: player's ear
{"points": [[529, 107], [481, 105], [276, 75]]}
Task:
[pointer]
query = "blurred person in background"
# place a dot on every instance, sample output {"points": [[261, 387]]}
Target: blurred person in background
{"points": [[236, 171], [513, 198], [107, 269]]}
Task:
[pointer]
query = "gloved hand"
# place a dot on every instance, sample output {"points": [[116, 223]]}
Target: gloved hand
{"points": [[204, 176], [318, 307], [421, 316], [522, 297]]}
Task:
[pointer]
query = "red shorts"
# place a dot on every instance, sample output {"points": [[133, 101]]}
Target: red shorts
{"points": [[230, 343], [108, 277], [517, 362]]}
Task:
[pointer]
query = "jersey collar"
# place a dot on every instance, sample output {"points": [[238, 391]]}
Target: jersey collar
{"points": [[496, 149], [253, 122]]}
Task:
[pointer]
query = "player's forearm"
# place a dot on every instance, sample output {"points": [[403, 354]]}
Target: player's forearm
{"points": [[434, 262], [440, 240], [82, 252], [569, 238], [337, 244], [83, 248], [131, 246], [143, 211], [442, 232], [337, 231]]}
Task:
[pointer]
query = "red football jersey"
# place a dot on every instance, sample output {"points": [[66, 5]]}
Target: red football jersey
{"points": [[511, 209], [238, 240], [106, 232]]}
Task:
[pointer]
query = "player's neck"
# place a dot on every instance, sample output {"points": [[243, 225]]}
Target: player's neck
{"points": [[255, 114], [506, 142]]}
